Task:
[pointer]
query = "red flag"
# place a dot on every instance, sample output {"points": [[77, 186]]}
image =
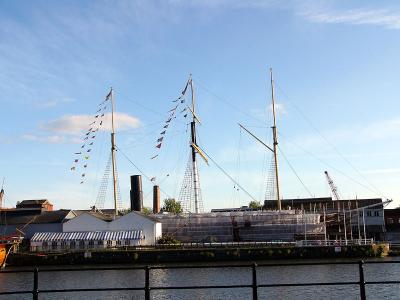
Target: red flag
{"points": [[158, 146]]}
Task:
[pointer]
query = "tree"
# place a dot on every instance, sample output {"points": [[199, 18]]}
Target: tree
{"points": [[168, 239], [172, 206], [147, 211], [255, 205]]}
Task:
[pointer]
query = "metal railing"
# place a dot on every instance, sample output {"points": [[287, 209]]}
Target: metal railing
{"points": [[254, 286]]}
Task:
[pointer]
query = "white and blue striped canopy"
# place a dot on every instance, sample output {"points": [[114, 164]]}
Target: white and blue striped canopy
{"points": [[88, 235]]}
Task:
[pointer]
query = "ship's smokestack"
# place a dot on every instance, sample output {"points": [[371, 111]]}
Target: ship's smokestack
{"points": [[136, 193], [156, 199]]}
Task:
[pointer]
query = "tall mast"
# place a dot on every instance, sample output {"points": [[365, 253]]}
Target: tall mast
{"points": [[275, 146], [193, 139], [113, 153]]}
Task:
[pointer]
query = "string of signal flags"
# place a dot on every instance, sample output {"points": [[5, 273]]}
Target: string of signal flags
{"points": [[82, 157], [172, 114]]}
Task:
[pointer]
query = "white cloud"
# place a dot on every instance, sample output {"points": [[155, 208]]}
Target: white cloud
{"points": [[52, 102], [68, 129], [382, 171], [52, 139], [76, 124], [381, 130], [355, 134], [381, 17]]}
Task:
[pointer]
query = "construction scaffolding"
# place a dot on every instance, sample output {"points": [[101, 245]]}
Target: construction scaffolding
{"points": [[242, 226]]}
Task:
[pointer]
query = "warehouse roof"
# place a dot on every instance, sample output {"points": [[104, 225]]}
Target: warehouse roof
{"points": [[88, 235]]}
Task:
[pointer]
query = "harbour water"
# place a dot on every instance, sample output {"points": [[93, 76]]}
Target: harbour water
{"points": [[213, 276]]}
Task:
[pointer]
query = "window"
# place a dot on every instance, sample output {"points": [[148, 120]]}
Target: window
{"points": [[72, 244], [109, 243], [100, 243], [390, 221], [81, 244], [63, 244], [54, 245], [44, 245], [91, 244], [361, 213], [376, 213], [126, 242], [369, 213], [119, 243]]}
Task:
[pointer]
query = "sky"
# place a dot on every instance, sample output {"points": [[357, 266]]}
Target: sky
{"points": [[336, 70]]}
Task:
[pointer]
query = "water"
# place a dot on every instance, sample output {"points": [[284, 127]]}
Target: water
{"points": [[213, 276]]}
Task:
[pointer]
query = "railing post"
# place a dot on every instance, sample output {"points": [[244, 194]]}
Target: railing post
{"points": [[35, 292], [147, 283], [362, 280], [254, 283]]}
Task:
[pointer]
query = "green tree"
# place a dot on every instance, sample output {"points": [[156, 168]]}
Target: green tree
{"points": [[172, 206], [147, 211], [255, 205], [168, 239]]}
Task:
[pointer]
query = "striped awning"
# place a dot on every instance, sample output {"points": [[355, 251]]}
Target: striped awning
{"points": [[88, 235]]}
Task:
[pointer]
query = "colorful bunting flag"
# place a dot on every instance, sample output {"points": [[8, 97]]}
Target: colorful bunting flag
{"points": [[108, 95], [160, 139], [163, 132], [73, 168], [158, 146], [154, 156]]}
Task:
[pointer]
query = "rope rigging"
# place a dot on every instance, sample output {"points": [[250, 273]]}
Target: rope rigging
{"points": [[375, 189]]}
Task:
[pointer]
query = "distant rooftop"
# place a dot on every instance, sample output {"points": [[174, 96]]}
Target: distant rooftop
{"points": [[55, 216]]}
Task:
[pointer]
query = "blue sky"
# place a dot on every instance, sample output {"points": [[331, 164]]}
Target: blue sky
{"points": [[335, 64]]}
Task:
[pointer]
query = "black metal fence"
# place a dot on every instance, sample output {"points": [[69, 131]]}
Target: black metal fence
{"points": [[254, 286]]}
